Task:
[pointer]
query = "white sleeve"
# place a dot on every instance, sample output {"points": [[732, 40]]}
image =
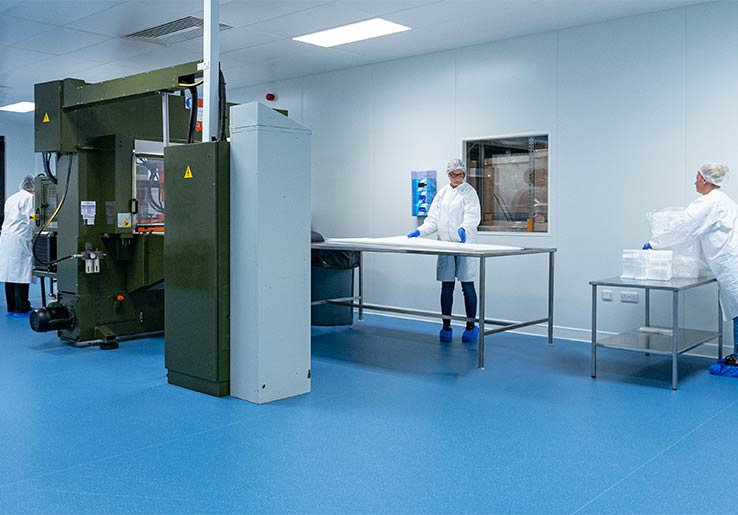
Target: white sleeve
{"points": [[430, 225], [28, 206], [692, 224], [472, 211]]}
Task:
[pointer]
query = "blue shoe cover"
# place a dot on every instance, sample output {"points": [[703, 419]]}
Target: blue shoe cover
{"points": [[9, 314], [721, 369], [446, 335], [470, 335], [22, 315]]}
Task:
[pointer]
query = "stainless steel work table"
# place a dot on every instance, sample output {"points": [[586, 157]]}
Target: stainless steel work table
{"points": [[357, 301], [678, 342]]}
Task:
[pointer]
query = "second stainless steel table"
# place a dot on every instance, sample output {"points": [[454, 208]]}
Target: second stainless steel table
{"points": [[475, 251], [670, 341]]}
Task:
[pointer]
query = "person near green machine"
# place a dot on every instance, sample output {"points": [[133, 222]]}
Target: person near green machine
{"points": [[711, 219], [455, 214], [16, 256]]}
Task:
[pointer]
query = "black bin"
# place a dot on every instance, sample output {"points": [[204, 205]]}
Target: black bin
{"points": [[332, 277]]}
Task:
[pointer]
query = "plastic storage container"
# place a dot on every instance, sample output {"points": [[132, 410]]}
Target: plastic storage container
{"points": [[659, 265], [655, 265], [634, 264], [686, 266]]}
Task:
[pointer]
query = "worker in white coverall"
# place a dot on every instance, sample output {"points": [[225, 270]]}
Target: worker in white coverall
{"points": [[16, 256], [455, 214], [712, 219]]}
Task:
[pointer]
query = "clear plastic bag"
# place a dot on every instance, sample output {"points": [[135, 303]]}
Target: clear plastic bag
{"points": [[687, 258]]}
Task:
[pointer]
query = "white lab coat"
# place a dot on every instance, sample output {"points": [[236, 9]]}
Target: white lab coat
{"points": [[451, 209], [16, 257], [712, 219]]}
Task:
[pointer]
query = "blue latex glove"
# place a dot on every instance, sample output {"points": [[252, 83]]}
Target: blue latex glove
{"points": [[462, 234], [414, 234], [647, 246]]}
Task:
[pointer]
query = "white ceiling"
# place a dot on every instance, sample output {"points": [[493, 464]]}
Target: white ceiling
{"points": [[54, 39]]}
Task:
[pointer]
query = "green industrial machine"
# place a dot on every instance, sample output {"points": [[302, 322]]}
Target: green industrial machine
{"points": [[134, 206], [108, 219]]}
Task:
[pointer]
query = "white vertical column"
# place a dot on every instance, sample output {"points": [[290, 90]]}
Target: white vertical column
{"points": [[270, 255], [211, 62]]}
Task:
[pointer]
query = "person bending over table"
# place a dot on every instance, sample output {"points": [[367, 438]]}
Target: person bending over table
{"points": [[712, 220]]}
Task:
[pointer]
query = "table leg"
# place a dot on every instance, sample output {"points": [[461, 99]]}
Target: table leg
{"points": [[482, 313], [674, 340], [550, 297], [648, 318], [361, 286], [720, 328], [594, 330]]}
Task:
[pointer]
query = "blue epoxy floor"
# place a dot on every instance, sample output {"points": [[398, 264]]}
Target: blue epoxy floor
{"points": [[396, 423]]}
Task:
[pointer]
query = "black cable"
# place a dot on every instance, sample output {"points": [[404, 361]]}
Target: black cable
{"points": [[46, 158], [221, 105], [153, 178], [193, 114], [51, 218]]}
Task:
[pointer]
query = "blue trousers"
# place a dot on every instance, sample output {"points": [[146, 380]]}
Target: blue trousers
{"points": [[447, 301], [735, 335]]}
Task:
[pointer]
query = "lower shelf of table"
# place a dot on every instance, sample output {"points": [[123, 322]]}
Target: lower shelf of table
{"points": [[635, 340]]}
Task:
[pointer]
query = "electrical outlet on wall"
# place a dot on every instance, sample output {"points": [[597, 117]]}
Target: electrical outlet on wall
{"points": [[630, 296], [607, 295]]}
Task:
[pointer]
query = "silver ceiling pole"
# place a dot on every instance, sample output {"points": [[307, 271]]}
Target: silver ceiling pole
{"points": [[210, 66]]}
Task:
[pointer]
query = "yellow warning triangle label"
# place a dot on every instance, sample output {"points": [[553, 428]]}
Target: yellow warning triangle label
{"points": [[188, 173], [46, 118], [126, 223]]}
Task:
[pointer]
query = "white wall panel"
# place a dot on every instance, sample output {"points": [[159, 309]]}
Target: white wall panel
{"points": [[712, 112], [19, 158], [633, 106], [620, 148]]}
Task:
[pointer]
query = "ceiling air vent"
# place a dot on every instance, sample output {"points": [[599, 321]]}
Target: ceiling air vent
{"points": [[175, 31]]}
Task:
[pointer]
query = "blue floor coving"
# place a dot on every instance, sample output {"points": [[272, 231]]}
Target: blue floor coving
{"points": [[395, 423]]}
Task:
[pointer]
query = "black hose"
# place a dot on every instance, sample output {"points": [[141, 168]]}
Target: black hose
{"points": [[193, 114], [221, 105], [46, 158], [51, 218]]}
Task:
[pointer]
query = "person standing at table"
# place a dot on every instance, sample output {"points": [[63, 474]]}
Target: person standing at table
{"points": [[455, 214]]}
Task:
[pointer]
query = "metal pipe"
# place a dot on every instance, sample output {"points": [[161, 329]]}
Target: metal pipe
{"points": [[361, 286], [594, 331], [648, 318], [720, 329], [482, 307], [510, 327], [210, 67], [675, 340], [165, 118], [550, 296], [92, 343]]}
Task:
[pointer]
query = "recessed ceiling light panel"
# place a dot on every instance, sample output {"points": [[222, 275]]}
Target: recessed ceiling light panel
{"points": [[19, 107], [350, 33]]}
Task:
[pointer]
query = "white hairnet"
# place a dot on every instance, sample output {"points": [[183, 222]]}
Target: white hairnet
{"points": [[714, 173], [27, 183], [456, 164]]}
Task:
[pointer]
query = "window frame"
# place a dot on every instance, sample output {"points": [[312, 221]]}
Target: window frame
{"points": [[548, 232]]}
